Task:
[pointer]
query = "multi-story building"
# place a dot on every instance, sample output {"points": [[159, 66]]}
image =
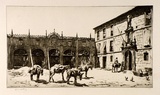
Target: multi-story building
{"points": [[127, 37], [26, 50]]}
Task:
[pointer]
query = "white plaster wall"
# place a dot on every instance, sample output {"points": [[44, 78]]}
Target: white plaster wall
{"points": [[137, 23]]}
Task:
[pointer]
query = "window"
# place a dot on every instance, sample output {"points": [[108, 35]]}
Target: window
{"points": [[111, 45], [111, 30], [97, 35], [147, 38], [98, 47], [111, 58], [104, 33], [148, 17], [146, 56], [104, 51]]}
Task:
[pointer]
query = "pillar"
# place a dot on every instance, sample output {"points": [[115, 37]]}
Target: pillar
{"points": [[47, 59], [134, 61], [76, 50], [61, 54]]}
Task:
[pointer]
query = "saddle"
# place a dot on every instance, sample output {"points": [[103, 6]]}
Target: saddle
{"points": [[58, 67]]}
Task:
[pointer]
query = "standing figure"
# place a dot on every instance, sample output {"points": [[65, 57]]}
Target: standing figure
{"points": [[129, 19], [129, 27]]}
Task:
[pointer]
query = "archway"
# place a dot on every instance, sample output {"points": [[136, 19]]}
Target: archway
{"points": [[54, 57], [83, 56], [68, 54], [38, 57], [20, 58], [128, 60]]}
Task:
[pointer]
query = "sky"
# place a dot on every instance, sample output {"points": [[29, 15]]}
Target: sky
{"points": [[69, 19]]}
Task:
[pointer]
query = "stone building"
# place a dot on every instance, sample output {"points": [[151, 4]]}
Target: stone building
{"points": [[26, 50], [127, 37]]}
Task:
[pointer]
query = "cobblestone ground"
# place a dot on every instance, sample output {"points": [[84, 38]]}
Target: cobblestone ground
{"points": [[20, 78]]}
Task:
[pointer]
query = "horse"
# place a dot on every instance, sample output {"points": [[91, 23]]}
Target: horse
{"points": [[74, 72], [115, 67], [57, 68], [85, 68], [35, 70]]}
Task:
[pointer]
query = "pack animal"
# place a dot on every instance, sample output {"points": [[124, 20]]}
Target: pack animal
{"points": [[74, 72], [57, 69], [115, 67], [85, 68], [35, 70]]}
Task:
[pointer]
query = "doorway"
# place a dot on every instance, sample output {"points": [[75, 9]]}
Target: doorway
{"points": [[104, 62], [38, 57], [128, 60]]}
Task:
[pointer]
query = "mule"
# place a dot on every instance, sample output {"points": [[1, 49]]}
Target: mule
{"points": [[74, 72], [85, 68], [115, 67], [58, 68], [35, 70]]}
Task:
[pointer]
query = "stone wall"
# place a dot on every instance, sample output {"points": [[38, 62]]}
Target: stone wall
{"points": [[141, 32], [47, 43]]}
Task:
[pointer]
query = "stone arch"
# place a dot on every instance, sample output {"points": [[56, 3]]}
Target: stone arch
{"points": [[20, 58], [83, 52], [67, 56], [54, 56], [83, 56], [128, 60], [38, 56]]}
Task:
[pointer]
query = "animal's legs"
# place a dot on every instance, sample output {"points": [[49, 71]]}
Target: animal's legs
{"points": [[38, 76], [75, 80], [31, 77], [51, 76], [63, 76], [68, 77], [86, 73]]}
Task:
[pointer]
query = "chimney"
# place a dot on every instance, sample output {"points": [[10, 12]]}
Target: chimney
{"points": [[11, 32], [29, 33], [46, 33]]}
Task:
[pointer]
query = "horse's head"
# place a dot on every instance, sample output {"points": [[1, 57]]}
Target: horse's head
{"points": [[32, 70], [66, 67]]}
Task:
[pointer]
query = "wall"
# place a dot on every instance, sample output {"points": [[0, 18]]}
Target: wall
{"points": [[46, 43], [141, 32]]}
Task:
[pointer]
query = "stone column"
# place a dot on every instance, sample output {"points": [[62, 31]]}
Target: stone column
{"points": [[123, 59], [61, 54], [9, 57], [127, 59], [76, 53], [134, 61], [47, 59], [28, 57]]}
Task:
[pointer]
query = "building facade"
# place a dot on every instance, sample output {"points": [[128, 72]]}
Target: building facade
{"points": [[127, 37], [47, 50]]}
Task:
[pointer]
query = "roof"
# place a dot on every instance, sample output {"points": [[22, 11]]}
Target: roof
{"points": [[135, 11]]}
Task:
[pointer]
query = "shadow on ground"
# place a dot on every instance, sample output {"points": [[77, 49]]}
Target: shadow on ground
{"points": [[80, 85], [61, 81], [88, 78], [42, 81]]}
